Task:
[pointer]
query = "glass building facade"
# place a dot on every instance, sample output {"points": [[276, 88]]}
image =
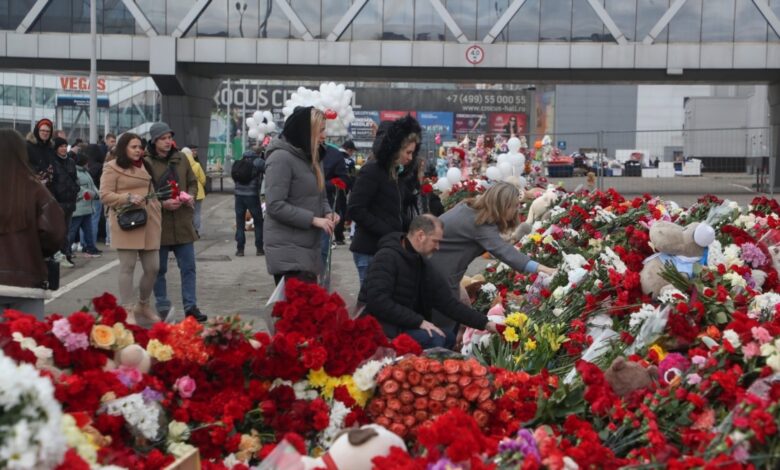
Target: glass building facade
{"points": [[415, 20]]}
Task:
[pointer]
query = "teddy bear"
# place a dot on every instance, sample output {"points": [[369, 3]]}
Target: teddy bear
{"points": [[355, 448], [626, 376], [682, 246], [134, 356], [541, 202]]}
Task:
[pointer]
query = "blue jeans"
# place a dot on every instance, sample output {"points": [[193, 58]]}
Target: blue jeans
{"points": [[325, 242], [83, 222], [251, 204], [97, 211], [362, 262], [185, 258], [431, 341], [196, 217]]}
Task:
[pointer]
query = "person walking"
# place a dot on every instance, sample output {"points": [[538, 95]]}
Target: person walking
{"points": [[297, 208], [247, 175], [375, 203], [473, 227], [32, 227], [200, 175], [178, 232], [82, 215], [65, 189], [126, 181]]}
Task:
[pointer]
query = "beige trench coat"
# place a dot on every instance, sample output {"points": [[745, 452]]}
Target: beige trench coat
{"points": [[115, 184]]}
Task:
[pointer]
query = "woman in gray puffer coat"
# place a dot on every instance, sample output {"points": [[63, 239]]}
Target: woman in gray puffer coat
{"points": [[297, 209]]}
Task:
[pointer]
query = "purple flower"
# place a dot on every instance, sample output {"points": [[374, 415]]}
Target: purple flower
{"points": [[151, 394], [443, 464], [753, 255]]}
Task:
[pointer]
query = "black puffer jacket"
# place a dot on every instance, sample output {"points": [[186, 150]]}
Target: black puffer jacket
{"points": [[402, 288], [65, 188], [375, 206], [41, 156]]}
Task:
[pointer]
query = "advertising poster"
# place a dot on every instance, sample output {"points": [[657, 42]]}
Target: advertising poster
{"points": [[436, 123], [470, 124], [393, 115], [545, 112], [506, 124], [362, 128]]}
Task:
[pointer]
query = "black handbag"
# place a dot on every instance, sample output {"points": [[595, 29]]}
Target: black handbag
{"points": [[132, 219]]}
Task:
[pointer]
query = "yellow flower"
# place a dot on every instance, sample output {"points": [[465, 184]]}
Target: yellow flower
{"points": [[535, 237], [161, 352], [318, 377], [510, 335], [529, 345], [548, 240], [124, 337], [516, 319], [103, 336], [659, 351]]}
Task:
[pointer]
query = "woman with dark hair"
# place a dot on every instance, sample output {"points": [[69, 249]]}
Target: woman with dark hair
{"points": [[126, 180], [297, 210], [377, 198], [32, 227]]}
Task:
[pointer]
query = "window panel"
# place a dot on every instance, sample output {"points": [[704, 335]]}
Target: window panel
{"points": [[428, 25], [775, 5], [623, 12], [116, 18], [399, 20], [17, 11], [686, 24], [332, 11], [176, 10], [309, 12], [465, 15], [717, 21], [273, 22], [243, 19], [213, 21], [488, 12], [556, 20], [525, 25], [368, 23], [4, 14], [58, 17], [750, 24], [155, 13], [80, 21], [648, 12], [23, 96], [586, 24]]}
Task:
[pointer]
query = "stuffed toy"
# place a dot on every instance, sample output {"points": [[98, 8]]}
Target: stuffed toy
{"points": [[355, 448], [134, 356], [541, 205], [472, 285], [682, 246], [626, 376], [671, 369]]}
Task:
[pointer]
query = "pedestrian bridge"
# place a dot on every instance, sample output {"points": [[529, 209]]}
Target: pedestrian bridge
{"points": [[186, 45]]}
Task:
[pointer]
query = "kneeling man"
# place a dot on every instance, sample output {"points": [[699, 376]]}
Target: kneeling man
{"points": [[401, 288]]}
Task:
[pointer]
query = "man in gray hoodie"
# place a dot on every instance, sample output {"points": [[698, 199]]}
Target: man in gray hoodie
{"points": [[247, 198]]}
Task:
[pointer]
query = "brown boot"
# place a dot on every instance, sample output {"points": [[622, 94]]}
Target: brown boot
{"points": [[131, 316], [145, 315]]}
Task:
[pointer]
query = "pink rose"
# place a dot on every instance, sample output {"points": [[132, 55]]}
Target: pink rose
{"points": [[185, 197], [185, 385]]}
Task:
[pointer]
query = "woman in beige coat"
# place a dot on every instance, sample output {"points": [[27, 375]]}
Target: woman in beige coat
{"points": [[126, 181]]}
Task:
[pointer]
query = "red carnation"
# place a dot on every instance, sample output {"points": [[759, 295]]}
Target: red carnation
{"points": [[404, 344], [339, 183], [427, 188], [87, 196], [81, 322]]}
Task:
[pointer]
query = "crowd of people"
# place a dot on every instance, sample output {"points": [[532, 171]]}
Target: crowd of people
{"points": [[61, 198]]}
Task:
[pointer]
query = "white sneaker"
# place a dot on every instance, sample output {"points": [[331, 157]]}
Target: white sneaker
{"points": [[66, 264]]}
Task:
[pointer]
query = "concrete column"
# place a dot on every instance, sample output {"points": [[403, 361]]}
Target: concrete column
{"points": [[189, 115], [774, 122]]}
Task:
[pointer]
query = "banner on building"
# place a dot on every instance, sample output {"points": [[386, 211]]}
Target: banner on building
{"points": [[470, 124], [363, 127], [507, 124], [436, 123]]}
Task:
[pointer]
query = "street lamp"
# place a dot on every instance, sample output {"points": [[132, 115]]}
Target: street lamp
{"points": [[241, 9]]}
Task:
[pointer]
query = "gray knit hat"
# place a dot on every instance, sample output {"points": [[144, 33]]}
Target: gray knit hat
{"points": [[157, 130]]}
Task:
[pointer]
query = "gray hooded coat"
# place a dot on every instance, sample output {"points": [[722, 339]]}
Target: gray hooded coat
{"points": [[292, 201]]}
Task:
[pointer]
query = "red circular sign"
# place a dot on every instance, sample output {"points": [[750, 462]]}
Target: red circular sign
{"points": [[475, 54]]}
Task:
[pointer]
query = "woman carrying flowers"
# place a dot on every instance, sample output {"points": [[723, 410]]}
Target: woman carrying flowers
{"points": [[473, 227], [297, 209], [126, 182]]}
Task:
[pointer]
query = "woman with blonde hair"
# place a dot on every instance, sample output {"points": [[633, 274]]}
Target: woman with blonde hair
{"points": [[297, 210], [127, 181], [473, 227]]}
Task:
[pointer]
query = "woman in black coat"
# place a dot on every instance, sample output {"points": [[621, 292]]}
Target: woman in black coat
{"points": [[376, 201]]}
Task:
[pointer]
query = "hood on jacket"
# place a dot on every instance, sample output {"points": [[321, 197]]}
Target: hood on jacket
{"points": [[37, 136], [297, 129], [389, 141]]}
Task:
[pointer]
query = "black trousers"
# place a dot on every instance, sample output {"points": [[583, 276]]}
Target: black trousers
{"points": [[304, 276]]}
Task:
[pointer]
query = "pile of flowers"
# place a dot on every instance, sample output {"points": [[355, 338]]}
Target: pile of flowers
{"points": [[540, 394]]}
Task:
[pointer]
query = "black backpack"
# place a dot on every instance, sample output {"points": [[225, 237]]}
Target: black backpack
{"points": [[243, 171]]}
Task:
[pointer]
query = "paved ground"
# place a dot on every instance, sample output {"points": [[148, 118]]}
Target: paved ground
{"points": [[228, 285]]}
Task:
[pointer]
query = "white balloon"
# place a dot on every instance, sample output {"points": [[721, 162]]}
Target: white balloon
{"points": [[493, 173], [268, 116], [271, 125], [453, 175], [504, 157], [250, 122], [258, 115], [253, 133], [513, 145], [505, 168]]}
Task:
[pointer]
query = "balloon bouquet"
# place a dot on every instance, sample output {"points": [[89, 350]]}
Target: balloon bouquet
{"points": [[260, 124], [332, 99], [510, 166]]}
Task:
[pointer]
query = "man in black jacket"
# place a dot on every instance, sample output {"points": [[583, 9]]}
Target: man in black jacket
{"points": [[402, 288], [65, 189]]}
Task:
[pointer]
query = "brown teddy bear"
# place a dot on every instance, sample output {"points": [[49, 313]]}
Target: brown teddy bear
{"points": [[626, 376]]}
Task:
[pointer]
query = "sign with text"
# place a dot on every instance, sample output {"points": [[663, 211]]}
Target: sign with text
{"points": [[393, 115], [470, 124], [81, 101], [507, 124], [362, 128], [76, 83], [436, 123]]}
